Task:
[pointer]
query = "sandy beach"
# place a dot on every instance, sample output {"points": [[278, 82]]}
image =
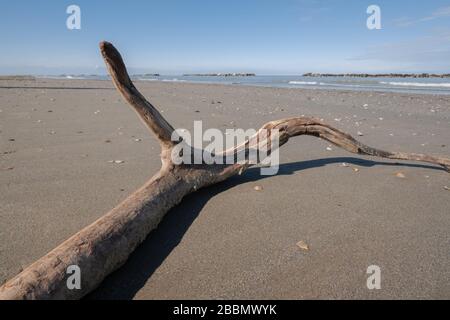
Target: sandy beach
{"points": [[71, 150]]}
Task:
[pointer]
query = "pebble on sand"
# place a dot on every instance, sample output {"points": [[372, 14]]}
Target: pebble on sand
{"points": [[302, 245], [329, 149], [446, 188], [359, 133], [258, 188]]}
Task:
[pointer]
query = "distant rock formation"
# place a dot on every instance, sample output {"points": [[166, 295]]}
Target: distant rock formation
{"points": [[220, 75], [379, 75]]}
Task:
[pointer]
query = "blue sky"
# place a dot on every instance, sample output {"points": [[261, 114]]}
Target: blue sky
{"points": [[262, 36]]}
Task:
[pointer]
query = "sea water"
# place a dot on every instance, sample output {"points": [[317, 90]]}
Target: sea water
{"points": [[406, 85]]}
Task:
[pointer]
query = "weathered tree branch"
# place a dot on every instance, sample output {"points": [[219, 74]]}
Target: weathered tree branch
{"points": [[105, 245], [147, 112]]}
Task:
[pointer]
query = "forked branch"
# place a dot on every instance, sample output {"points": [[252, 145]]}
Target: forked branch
{"points": [[105, 245]]}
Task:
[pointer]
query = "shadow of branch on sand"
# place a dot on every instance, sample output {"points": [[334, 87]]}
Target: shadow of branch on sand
{"points": [[143, 262]]}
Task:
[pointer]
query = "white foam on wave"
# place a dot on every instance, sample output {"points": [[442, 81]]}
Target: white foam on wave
{"points": [[173, 80], [75, 78], [340, 85], [417, 84], [303, 82]]}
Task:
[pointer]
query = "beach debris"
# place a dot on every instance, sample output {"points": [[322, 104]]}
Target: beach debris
{"points": [[381, 118], [116, 161], [329, 149], [355, 169], [447, 188], [400, 175], [345, 165], [338, 119], [137, 140], [365, 105], [303, 245], [359, 133], [97, 112], [258, 188]]}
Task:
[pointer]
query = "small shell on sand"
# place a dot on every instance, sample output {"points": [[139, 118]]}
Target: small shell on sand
{"points": [[400, 175], [116, 161], [302, 245]]}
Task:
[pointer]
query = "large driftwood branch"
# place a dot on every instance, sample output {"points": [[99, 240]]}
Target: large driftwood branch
{"points": [[105, 245]]}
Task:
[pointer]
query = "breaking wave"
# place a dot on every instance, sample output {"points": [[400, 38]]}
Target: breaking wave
{"points": [[417, 84]]}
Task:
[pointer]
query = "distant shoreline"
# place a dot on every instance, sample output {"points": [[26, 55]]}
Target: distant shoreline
{"points": [[13, 77], [378, 75], [309, 74]]}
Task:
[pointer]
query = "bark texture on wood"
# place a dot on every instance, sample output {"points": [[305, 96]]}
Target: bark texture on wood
{"points": [[105, 245]]}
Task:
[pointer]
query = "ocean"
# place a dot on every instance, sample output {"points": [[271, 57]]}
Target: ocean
{"points": [[405, 85]]}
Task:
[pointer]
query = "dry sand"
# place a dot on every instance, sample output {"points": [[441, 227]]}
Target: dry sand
{"points": [[231, 241]]}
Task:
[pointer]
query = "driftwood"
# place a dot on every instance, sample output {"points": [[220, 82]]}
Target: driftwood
{"points": [[105, 245]]}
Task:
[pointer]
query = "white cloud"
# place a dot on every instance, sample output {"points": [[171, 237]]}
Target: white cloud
{"points": [[437, 14], [431, 52]]}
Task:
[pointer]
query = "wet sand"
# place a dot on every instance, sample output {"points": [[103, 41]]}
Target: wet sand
{"points": [[58, 138]]}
